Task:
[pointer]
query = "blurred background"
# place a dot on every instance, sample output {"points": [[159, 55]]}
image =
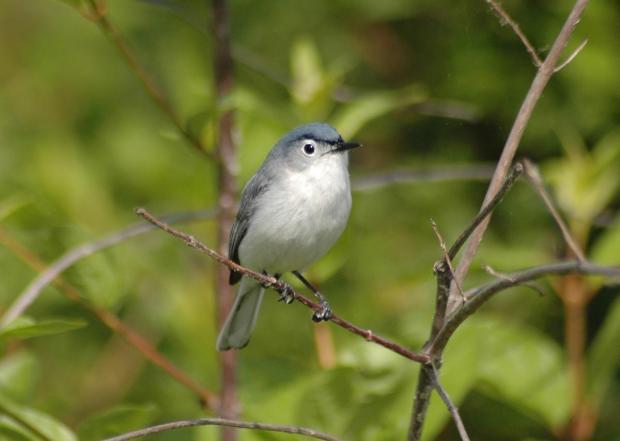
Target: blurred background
{"points": [[426, 86]]}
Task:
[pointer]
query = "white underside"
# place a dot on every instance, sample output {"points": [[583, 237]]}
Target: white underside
{"points": [[299, 219]]}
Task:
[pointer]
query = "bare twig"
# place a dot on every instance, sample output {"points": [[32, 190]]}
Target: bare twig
{"points": [[34, 289], [445, 275], [571, 57], [485, 212], [446, 257], [224, 422], [272, 282], [505, 18], [434, 375], [544, 73], [450, 109], [115, 324], [535, 178], [98, 15], [481, 172], [480, 295], [499, 275]]}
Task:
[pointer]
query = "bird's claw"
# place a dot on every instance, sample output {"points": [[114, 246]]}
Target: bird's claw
{"points": [[323, 314], [287, 295]]}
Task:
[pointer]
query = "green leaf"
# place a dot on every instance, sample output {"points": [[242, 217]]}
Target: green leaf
{"points": [[25, 327], [117, 420], [351, 117], [33, 424], [604, 355], [11, 205], [525, 368], [19, 372], [585, 182], [606, 250], [313, 85]]}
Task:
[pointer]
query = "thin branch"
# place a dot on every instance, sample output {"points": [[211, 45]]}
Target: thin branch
{"points": [[272, 282], [34, 289], [535, 178], [115, 324], [505, 18], [571, 57], [544, 73], [481, 172], [297, 430], [456, 416], [488, 269], [486, 211], [480, 295], [421, 400], [446, 257], [98, 15]]}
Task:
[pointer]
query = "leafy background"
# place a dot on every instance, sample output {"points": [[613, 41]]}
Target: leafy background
{"points": [[422, 84]]}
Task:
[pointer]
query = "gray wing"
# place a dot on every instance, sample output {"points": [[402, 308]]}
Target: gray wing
{"points": [[252, 190]]}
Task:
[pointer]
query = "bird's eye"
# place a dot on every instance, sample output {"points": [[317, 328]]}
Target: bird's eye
{"points": [[309, 148]]}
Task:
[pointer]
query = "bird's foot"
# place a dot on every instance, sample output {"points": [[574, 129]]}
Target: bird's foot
{"points": [[287, 295], [324, 313]]}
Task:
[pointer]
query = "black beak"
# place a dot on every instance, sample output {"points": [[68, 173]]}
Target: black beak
{"points": [[343, 146]]}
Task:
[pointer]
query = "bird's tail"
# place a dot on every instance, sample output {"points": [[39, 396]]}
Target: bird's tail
{"points": [[242, 318]]}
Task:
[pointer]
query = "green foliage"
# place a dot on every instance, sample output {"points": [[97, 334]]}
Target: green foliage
{"points": [[82, 145], [26, 327], [29, 424], [586, 181]]}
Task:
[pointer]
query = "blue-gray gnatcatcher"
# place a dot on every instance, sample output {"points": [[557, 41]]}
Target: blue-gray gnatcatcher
{"points": [[292, 211]]}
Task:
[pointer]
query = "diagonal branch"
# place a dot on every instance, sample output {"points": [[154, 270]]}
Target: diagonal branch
{"points": [[132, 337], [506, 18], [272, 282], [485, 212], [477, 297], [544, 73], [97, 14], [226, 423], [535, 178], [456, 416], [47, 276], [476, 172]]}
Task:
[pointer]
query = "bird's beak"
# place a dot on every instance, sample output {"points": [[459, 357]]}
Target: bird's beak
{"points": [[344, 146]]}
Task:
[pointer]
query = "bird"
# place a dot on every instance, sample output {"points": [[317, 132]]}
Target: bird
{"points": [[292, 211]]}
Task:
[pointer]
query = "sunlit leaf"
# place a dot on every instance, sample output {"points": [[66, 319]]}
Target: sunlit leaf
{"points": [[19, 372], [606, 249], [585, 182], [351, 117], [12, 205], [313, 85], [604, 355], [25, 327], [38, 425], [525, 368]]}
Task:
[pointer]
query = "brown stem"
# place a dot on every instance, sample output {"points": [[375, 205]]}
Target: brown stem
{"points": [[574, 335], [280, 286], [114, 323], [98, 15], [227, 190], [544, 73]]}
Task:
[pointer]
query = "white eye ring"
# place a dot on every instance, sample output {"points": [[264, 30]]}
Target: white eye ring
{"points": [[309, 148]]}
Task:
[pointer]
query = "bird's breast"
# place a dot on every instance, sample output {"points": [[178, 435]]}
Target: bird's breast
{"points": [[298, 219]]}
